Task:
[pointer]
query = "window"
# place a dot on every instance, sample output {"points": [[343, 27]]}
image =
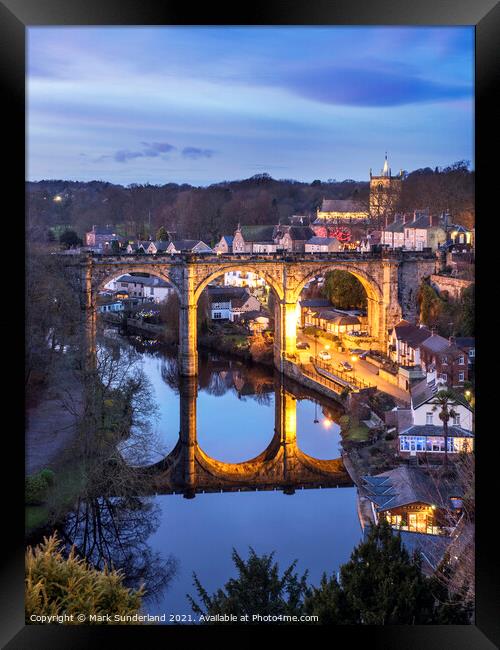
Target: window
{"points": [[461, 361], [404, 444], [444, 361], [216, 315], [461, 376], [472, 353], [456, 420], [443, 376], [429, 418]]}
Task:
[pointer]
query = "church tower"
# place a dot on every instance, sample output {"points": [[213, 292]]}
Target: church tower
{"points": [[385, 192]]}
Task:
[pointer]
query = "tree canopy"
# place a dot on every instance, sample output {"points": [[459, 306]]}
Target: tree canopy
{"points": [[344, 290], [381, 584]]}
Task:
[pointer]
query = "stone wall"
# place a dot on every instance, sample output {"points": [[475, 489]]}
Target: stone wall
{"points": [[411, 274], [452, 286]]}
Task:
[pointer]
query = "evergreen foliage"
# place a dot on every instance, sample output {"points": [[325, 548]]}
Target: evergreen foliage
{"points": [[55, 585]]}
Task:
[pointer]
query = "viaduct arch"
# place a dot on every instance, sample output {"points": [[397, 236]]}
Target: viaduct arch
{"points": [[390, 279]]}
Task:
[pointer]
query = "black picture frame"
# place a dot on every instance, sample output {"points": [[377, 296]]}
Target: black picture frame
{"points": [[15, 17]]}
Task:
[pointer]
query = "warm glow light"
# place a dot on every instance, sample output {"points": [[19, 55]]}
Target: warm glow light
{"points": [[467, 393], [327, 423], [354, 358], [57, 198], [327, 347]]}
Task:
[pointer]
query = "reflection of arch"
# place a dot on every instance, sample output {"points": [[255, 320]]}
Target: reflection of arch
{"points": [[246, 468], [114, 273], [277, 288]]}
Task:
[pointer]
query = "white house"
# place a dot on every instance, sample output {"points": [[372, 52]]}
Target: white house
{"points": [[155, 247], [108, 307], [423, 401], [187, 246], [322, 245], [146, 288], [243, 279], [404, 343], [230, 303]]}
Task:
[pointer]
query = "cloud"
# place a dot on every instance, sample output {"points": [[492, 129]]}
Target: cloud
{"points": [[150, 150], [362, 86], [195, 152], [153, 149]]}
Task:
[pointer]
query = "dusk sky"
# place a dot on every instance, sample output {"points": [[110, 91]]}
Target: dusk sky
{"points": [[205, 104]]}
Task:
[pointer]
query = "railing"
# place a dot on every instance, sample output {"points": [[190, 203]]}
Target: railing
{"points": [[342, 374], [324, 381], [282, 256]]}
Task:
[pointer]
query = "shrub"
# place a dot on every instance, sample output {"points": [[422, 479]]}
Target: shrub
{"points": [[55, 585], [48, 475], [35, 490], [344, 422]]}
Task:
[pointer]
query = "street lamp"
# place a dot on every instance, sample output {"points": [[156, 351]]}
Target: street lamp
{"points": [[354, 358]]}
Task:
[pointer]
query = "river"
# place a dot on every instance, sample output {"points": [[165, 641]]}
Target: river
{"points": [[235, 420]]}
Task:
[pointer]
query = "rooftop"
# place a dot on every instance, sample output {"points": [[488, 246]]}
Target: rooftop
{"points": [[257, 233], [342, 205], [404, 485], [434, 430]]}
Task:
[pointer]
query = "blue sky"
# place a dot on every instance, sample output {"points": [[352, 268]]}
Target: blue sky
{"points": [[205, 104]]}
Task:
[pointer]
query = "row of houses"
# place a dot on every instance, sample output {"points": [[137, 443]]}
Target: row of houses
{"points": [[277, 238], [447, 360], [139, 288]]}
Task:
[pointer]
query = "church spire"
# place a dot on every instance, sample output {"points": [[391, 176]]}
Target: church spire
{"points": [[385, 170]]}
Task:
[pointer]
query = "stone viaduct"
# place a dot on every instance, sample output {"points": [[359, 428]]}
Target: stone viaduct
{"points": [[282, 465], [391, 280]]}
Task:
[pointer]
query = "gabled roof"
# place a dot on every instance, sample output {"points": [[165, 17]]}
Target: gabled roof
{"points": [[257, 233], [152, 281], [411, 334], [159, 245], [342, 205], [228, 239], [439, 344], [186, 244], [339, 319], [429, 392], [404, 485], [227, 294]]}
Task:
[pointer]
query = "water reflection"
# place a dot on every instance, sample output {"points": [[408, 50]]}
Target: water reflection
{"points": [[115, 532], [281, 464]]}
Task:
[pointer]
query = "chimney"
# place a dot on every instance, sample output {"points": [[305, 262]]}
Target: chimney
{"points": [[405, 217], [452, 340]]}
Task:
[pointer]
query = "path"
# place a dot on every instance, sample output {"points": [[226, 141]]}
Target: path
{"points": [[51, 425]]}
